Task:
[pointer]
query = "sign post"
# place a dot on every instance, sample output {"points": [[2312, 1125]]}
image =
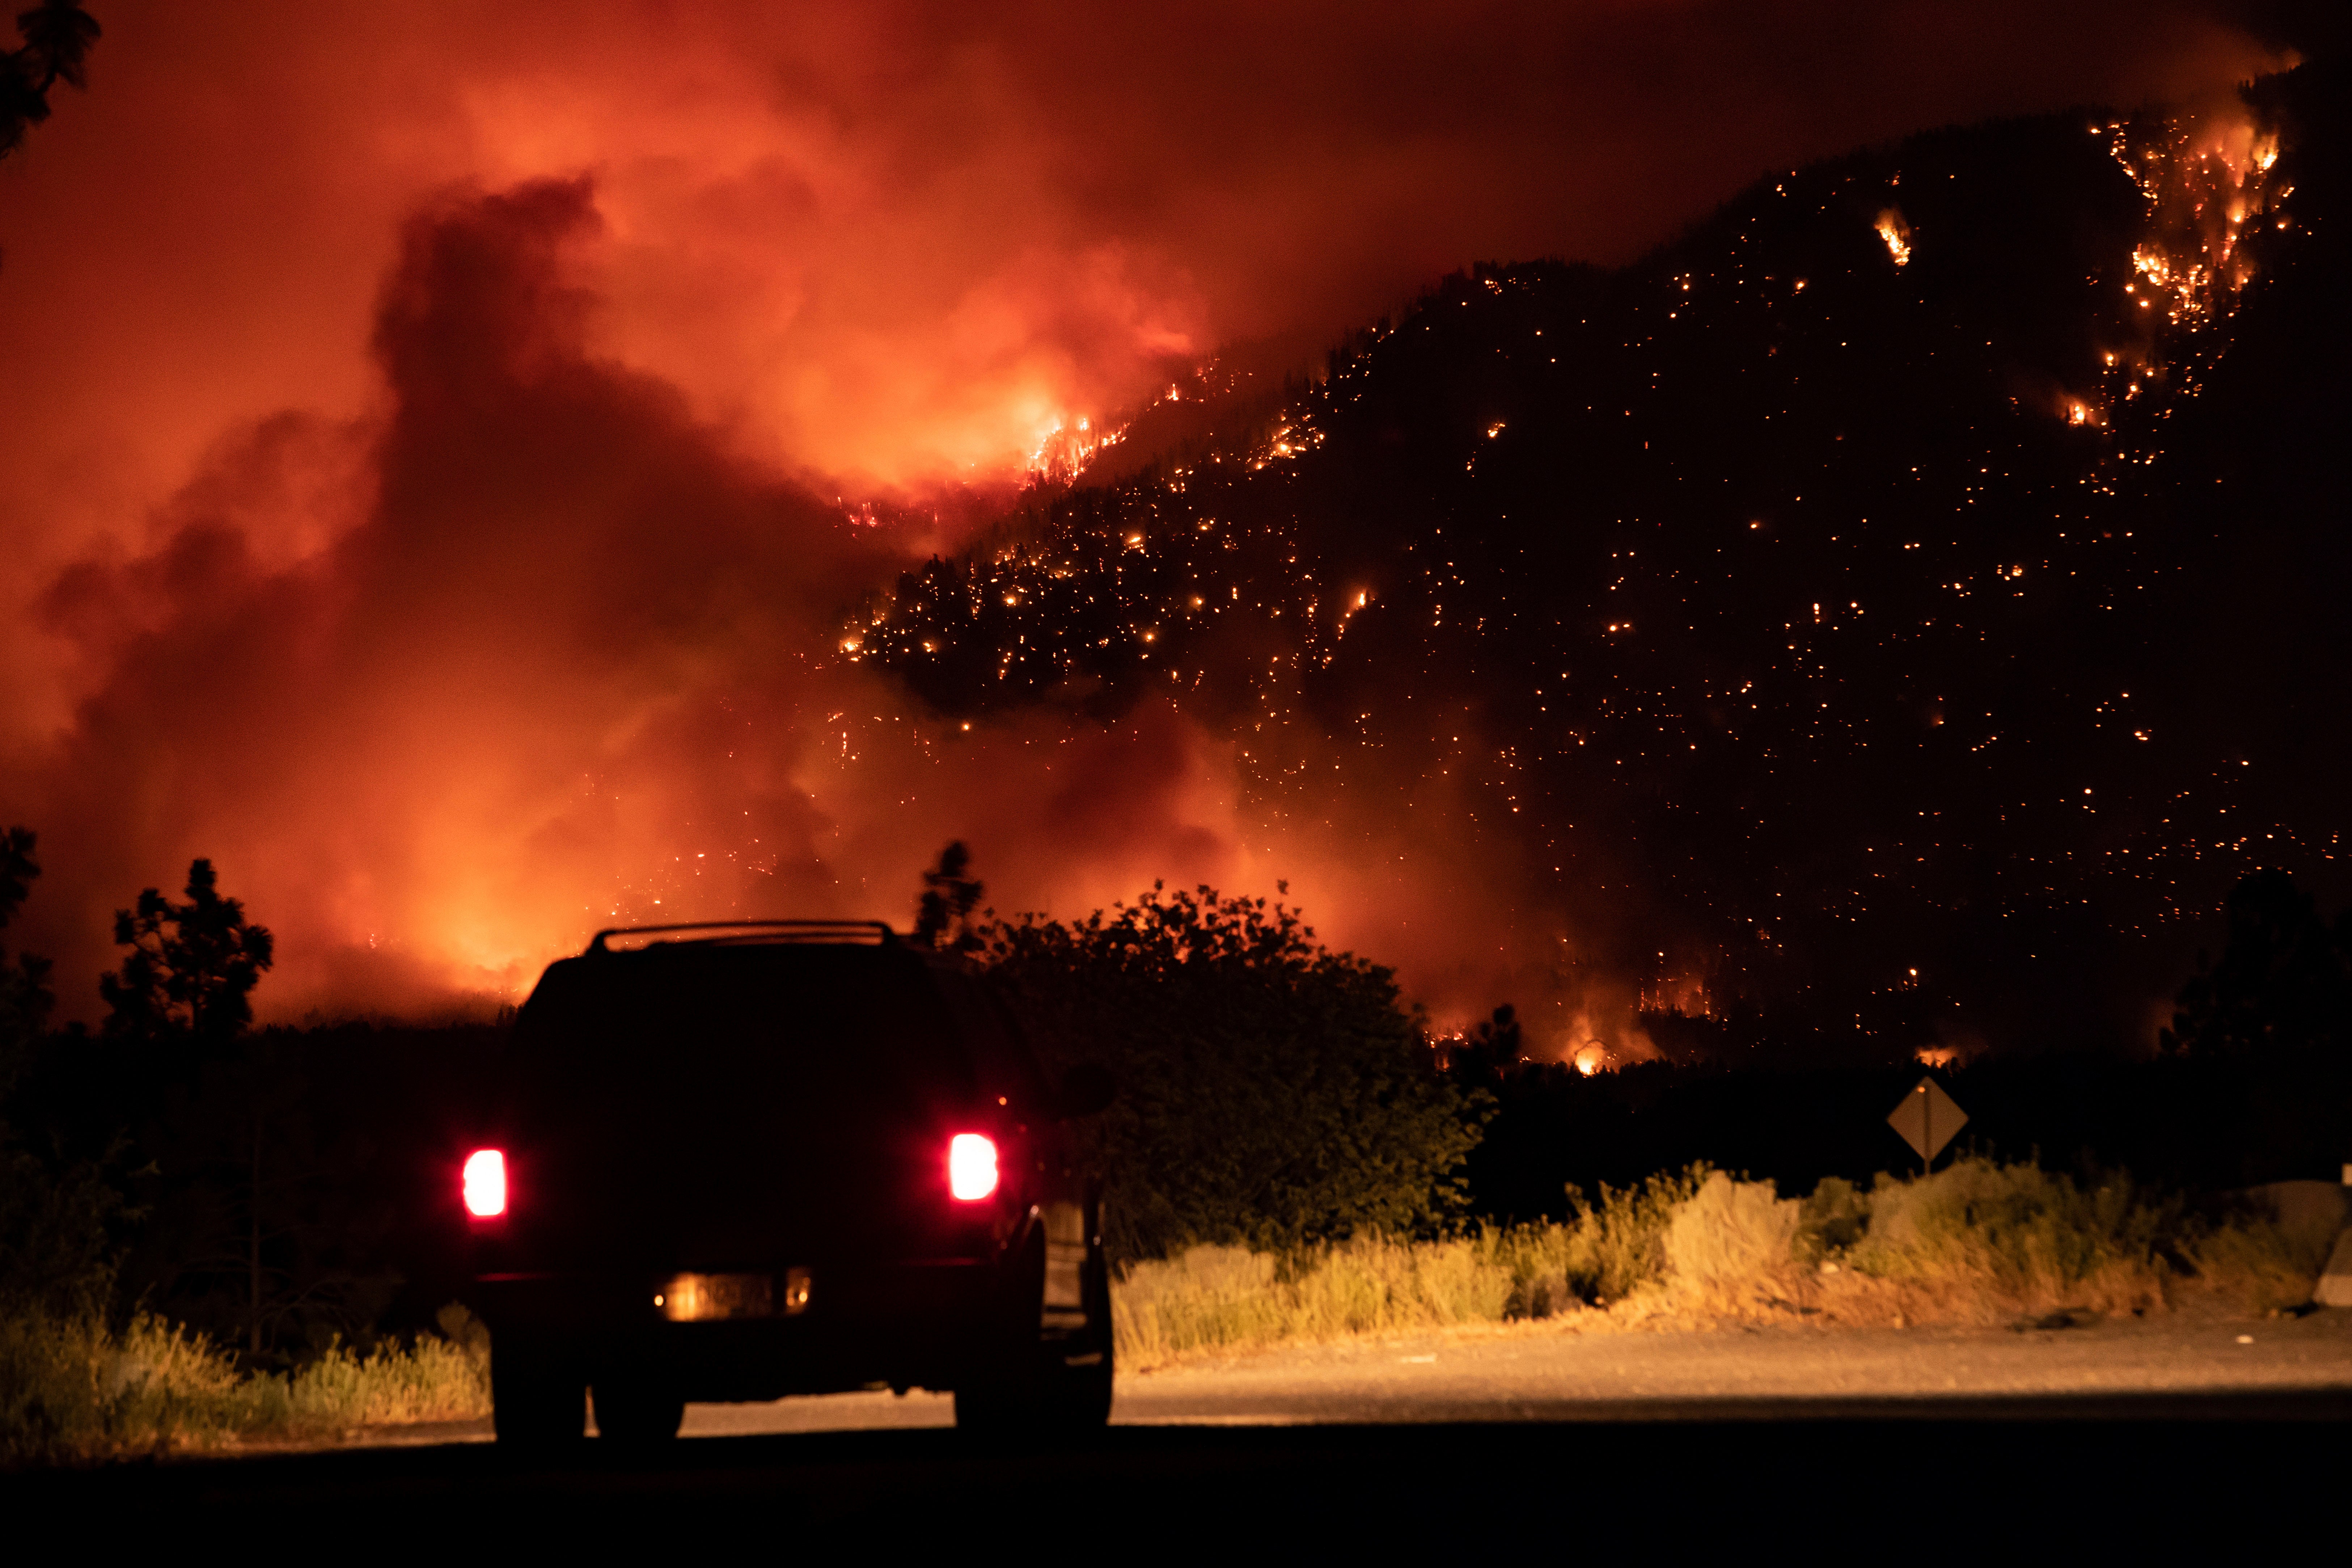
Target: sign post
{"points": [[1927, 1119]]}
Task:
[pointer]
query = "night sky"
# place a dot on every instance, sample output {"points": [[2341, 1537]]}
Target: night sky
{"points": [[449, 452]]}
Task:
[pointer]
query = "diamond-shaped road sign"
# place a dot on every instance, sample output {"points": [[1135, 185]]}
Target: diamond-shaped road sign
{"points": [[1927, 1119]]}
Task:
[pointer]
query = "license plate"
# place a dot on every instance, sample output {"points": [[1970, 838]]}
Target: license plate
{"points": [[711, 1297]]}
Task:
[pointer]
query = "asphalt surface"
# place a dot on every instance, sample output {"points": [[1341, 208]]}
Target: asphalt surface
{"points": [[1538, 1373], [1924, 1445]]}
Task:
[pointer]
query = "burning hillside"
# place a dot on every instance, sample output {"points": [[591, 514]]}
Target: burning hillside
{"points": [[450, 448], [1792, 622]]}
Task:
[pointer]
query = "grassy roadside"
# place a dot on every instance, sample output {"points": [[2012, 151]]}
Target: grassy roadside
{"points": [[1977, 1243], [74, 1390]]}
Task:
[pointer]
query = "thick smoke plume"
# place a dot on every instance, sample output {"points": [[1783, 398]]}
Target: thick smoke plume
{"points": [[569, 666]]}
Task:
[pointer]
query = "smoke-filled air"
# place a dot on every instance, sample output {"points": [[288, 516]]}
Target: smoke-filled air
{"points": [[479, 474]]}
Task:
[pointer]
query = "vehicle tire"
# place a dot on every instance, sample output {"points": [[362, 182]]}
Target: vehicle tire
{"points": [[1005, 1388], [538, 1395], [1034, 1385], [1079, 1376], [632, 1409]]}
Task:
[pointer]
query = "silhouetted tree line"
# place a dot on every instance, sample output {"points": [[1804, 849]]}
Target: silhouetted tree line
{"points": [[2251, 1083], [62, 1208], [275, 1188], [279, 1187]]}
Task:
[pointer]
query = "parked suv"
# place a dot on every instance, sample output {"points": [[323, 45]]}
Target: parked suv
{"points": [[738, 1162]]}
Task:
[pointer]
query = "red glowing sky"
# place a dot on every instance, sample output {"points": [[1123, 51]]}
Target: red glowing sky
{"points": [[441, 549]]}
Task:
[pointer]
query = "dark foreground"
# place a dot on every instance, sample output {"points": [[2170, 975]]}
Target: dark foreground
{"points": [[1900, 1481]]}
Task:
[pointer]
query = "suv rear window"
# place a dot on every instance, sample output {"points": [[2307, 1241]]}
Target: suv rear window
{"points": [[828, 1030]]}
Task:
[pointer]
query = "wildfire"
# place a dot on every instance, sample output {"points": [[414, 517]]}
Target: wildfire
{"points": [[1295, 434], [1897, 234], [1064, 451], [2204, 183], [1362, 596], [2201, 185]]}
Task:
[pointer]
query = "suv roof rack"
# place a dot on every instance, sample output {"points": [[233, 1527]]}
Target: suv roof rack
{"points": [[745, 933]]}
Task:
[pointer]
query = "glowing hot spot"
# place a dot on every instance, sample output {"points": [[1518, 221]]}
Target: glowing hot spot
{"points": [[1897, 234]]}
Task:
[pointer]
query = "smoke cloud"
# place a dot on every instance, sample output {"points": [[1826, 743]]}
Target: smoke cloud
{"points": [[430, 427]]}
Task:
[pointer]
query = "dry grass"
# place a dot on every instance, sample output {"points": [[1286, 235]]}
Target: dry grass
{"points": [[2265, 1259], [429, 1379], [1216, 1297], [73, 1390], [1976, 1243], [1224, 1297]]}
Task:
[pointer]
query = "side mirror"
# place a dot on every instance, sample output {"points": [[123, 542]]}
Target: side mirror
{"points": [[1088, 1089]]}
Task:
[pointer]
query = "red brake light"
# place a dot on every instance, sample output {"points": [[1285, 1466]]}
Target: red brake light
{"points": [[971, 1166], [486, 1184]]}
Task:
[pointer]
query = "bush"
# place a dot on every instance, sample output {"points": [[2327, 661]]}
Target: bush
{"points": [[1993, 1241], [2265, 1255], [1727, 1235], [429, 1379], [1616, 1244], [1211, 1298], [1976, 1243], [1272, 1092], [1214, 1298], [73, 1389], [57, 1223]]}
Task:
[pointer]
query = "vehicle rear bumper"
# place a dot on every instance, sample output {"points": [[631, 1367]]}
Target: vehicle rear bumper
{"points": [[918, 1325]]}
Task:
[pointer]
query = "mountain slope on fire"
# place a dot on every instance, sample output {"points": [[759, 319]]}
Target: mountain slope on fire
{"points": [[1896, 608]]}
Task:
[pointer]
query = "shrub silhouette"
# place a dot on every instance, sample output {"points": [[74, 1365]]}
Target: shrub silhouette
{"points": [[2282, 982], [1271, 1091]]}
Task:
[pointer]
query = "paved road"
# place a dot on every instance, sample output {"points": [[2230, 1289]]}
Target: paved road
{"points": [[1543, 1374], [1535, 1373], [2092, 1442]]}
